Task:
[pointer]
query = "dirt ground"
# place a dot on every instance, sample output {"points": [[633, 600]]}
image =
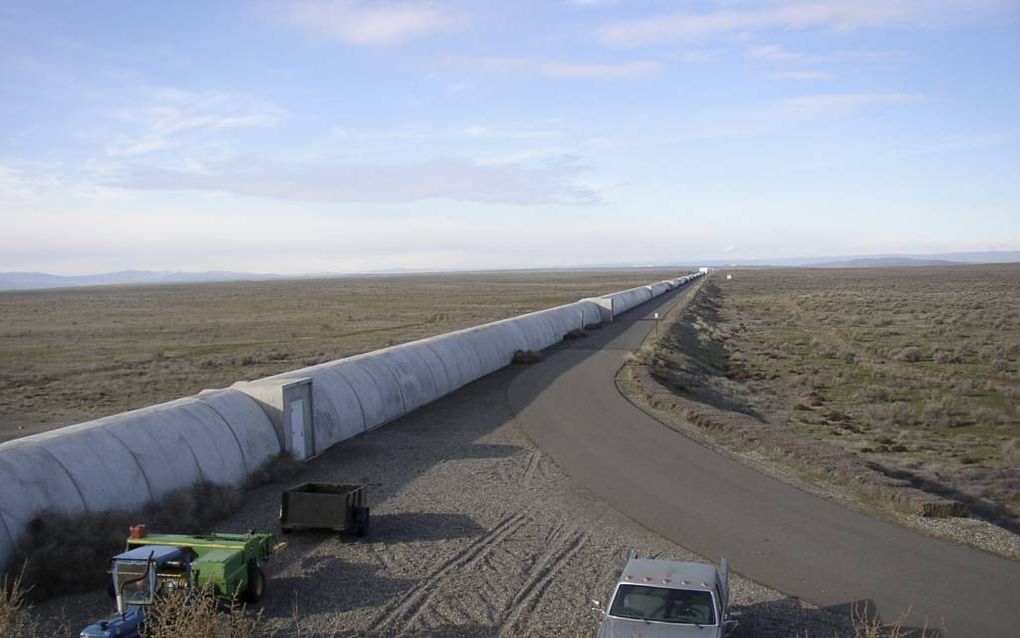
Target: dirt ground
{"points": [[73, 355], [474, 533], [893, 389]]}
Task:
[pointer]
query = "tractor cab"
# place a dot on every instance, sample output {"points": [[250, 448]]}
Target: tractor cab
{"points": [[139, 576]]}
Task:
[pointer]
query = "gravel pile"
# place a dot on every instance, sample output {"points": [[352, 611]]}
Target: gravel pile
{"points": [[474, 533]]}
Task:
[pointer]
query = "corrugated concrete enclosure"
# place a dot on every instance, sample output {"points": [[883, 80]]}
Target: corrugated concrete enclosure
{"points": [[360, 393], [128, 460]]}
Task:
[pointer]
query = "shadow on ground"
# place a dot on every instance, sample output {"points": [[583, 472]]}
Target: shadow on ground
{"points": [[788, 615]]}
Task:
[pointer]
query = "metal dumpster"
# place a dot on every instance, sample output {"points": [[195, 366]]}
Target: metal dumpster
{"points": [[337, 507]]}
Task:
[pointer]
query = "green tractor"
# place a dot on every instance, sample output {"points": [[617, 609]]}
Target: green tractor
{"points": [[227, 565]]}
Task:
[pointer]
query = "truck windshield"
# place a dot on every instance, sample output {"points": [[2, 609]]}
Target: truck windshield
{"points": [[662, 604], [133, 582]]}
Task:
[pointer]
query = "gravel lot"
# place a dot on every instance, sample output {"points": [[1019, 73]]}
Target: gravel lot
{"points": [[474, 533]]}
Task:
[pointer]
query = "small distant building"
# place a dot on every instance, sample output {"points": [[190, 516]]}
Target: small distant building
{"points": [[728, 277], [703, 270]]}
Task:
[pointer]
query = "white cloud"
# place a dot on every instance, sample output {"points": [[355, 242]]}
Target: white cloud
{"points": [[835, 103], [689, 26], [365, 23], [552, 182], [562, 69], [768, 118], [802, 75], [827, 14], [172, 112], [779, 54], [699, 57]]}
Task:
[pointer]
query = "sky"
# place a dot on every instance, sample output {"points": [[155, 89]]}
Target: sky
{"points": [[349, 136]]}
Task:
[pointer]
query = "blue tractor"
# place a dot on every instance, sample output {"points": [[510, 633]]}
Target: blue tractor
{"points": [[139, 575]]}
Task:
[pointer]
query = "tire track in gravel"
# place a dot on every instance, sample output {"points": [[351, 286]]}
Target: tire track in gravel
{"points": [[521, 607], [404, 613], [533, 461]]}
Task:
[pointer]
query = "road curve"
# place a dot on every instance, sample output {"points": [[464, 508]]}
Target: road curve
{"points": [[772, 532]]}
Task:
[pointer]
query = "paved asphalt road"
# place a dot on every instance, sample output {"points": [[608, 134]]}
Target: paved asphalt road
{"points": [[772, 532]]}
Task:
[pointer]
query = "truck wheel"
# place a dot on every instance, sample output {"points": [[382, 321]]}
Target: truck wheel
{"points": [[361, 522], [256, 584]]}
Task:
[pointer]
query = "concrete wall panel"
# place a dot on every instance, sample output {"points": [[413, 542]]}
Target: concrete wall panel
{"points": [[462, 364], [33, 481], [494, 345], [211, 441], [627, 299], [565, 318], [445, 380], [249, 425], [414, 376], [6, 542], [535, 329], [376, 387], [592, 311], [103, 468], [333, 392], [156, 441]]}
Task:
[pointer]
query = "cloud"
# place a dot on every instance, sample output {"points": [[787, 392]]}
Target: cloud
{"points": [[699, 57], [561, 69], [835, 15], [368, 23], [172, 112], [769, 118], [802, 75], [776, 53], [553, 182], [835, 103], [690, 26]]}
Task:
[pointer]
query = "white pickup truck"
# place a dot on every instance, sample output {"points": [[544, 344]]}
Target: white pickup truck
{"points": [[668, 599]]}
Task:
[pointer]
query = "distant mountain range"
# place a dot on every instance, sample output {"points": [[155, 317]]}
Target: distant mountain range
{"points": [[878, 261], [30, 280], [36, 280]]}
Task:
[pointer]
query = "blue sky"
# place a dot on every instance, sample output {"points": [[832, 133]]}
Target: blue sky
{"points": [[347, 136]]}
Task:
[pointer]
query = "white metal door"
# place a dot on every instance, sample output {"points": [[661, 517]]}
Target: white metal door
{"points": [[297, 429]]}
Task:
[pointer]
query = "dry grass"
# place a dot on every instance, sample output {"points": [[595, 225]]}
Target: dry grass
{"points": [[902, 382], [175, 615], [527, 356], [15, 613], [182, 615], [72, 355]]}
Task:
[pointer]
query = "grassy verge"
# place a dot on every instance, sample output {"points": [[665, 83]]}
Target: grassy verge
{"points": [[771, 387]]}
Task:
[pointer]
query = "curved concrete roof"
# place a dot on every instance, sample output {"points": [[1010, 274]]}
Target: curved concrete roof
{"points": [[126, 460]]}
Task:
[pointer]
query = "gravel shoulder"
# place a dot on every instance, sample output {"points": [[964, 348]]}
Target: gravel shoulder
{"points": [[475, 533]]}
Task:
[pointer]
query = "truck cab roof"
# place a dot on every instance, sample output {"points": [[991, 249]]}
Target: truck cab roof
{"points": [[671, 574]]}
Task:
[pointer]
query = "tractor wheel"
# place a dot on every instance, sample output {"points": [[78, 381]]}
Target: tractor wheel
{"points": [[256, 584], [362, 517]]}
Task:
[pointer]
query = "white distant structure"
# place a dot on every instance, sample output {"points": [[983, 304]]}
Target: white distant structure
{"points": [[728, 277], [703, 270]]}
